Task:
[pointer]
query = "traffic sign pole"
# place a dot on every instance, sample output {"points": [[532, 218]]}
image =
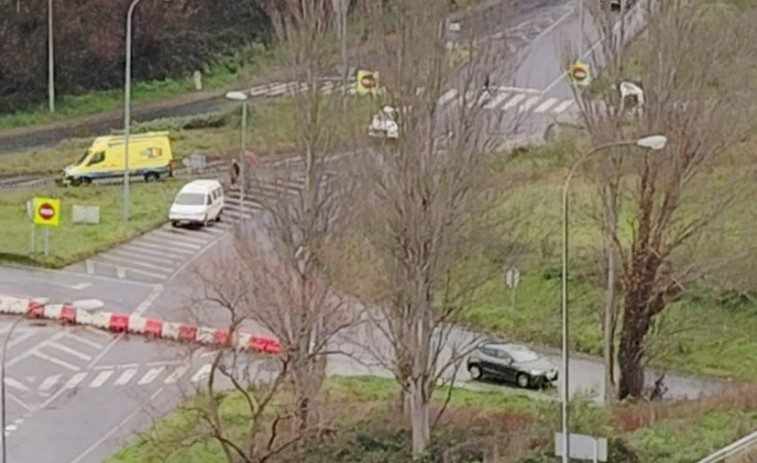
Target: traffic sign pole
{"points": [[47, 242]]}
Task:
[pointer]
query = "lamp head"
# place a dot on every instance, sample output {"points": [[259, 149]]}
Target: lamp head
{"points": [[653, 142], [236, 96]]}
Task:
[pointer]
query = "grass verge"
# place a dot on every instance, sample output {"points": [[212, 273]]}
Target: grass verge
{"points": [[244, 65], [476, 426], [73, 242], [273, 129]]}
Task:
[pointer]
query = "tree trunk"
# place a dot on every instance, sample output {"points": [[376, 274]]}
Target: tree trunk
{"points": [[635, 328], [609, 326], [419, 417]]}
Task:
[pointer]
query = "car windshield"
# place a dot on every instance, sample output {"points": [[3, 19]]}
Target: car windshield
{"points": [[82, 159], [190, 199], [521, 354]]}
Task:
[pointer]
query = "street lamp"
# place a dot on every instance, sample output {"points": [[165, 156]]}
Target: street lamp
{"points": [[127, 109], [50, 57], [653, 142], [241, 96]]}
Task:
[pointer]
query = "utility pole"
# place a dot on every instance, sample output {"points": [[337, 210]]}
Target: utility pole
{"points": [[50, 57]]}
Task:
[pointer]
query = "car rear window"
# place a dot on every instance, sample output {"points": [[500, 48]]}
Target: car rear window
{"points": [[190, 199]]}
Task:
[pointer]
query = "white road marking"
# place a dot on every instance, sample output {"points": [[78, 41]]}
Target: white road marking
{"points": [[56, 361], [141, 249], [157, 276], [48, 383], [125, 377], [202, 373], [107, 435], [150, 376], [164, 363], [84, 340], [80, 286], [120, 272], [563, 106], [173, 234], [144, 305], [512, 103], [176, 374], [70, 351], [133, 261], [171, 241], [160, 247], [546, 105], [75, 380], [100, 333], [531, 102], [132, 256], [448, 95], [90, 265], [16, 385], [101, 378], [519, 90], [502, 96]]}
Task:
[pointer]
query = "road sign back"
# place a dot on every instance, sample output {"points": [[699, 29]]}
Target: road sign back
{"points": [[47, 212]]}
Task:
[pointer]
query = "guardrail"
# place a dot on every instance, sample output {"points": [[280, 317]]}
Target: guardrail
{"points": [[732, 449]]}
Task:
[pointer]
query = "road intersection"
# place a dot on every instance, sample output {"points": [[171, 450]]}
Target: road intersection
{"points": [[83, 393]]}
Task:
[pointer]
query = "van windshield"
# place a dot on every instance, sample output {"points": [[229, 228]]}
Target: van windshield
{"points": [[82, 158], [190, 199]]}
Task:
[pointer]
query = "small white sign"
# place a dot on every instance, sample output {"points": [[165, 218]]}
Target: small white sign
{"points": [[454, 27], [512, 277], [86, 214], [583, 447]]}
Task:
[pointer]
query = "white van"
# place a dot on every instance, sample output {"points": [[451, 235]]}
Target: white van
{"points": [[198, 202]]}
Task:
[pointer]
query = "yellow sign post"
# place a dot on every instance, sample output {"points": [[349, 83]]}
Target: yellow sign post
{"points": [[46, 214], [367, 82], [580, 74]]}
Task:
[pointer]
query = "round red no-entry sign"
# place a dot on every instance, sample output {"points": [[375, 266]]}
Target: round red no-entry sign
{"points": [[46, 211]]}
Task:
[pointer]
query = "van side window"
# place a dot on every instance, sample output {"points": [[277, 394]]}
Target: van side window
{"points": [[96, 158], [207, 200]]}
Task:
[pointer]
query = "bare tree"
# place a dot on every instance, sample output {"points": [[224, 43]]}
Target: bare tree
{"points": [[694, 74], [296, 298], [426, 197]]}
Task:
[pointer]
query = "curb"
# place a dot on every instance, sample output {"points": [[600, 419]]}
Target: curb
{"points": [[152, 328]]}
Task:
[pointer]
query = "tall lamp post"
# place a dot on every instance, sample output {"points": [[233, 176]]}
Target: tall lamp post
{"points": [[127, 109], [50, 57], [653, 142], [241, 96]]}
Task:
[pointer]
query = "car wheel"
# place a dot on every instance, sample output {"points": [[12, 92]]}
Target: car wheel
{"points": [[523, 380], [475, 372], [152, 177]]}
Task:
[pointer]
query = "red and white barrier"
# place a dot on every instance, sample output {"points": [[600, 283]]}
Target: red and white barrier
{"points": [[123, 323]]}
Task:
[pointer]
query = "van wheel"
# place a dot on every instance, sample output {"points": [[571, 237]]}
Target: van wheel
{"points": [[75, 182], [174, 223], [86, 181], [218, 217], [152, 177]]}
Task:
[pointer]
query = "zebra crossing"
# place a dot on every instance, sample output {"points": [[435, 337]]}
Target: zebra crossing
{"points": [[510, 99], [276, 89], [159, 254]]}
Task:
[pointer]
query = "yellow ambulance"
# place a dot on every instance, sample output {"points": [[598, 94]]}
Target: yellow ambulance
{"points": [[150, 157]]}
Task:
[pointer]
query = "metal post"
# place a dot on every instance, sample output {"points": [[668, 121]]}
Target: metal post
{"points": [[581, 26], [50, 57], [127, 109], [242, 159], [512, 297], [33, 244], [596, 451], [47, 241], [2, 384], [565, 396]]}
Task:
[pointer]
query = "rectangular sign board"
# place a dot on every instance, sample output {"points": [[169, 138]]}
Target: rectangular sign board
{"points": [[583, 447]]}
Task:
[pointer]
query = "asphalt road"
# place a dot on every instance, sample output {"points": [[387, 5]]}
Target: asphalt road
{"points": [[77, 395]]}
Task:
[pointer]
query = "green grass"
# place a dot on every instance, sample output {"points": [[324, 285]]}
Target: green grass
{"points": [[72, 242], [361, 395], [273, 128], [687, 440], [228, 70]]}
